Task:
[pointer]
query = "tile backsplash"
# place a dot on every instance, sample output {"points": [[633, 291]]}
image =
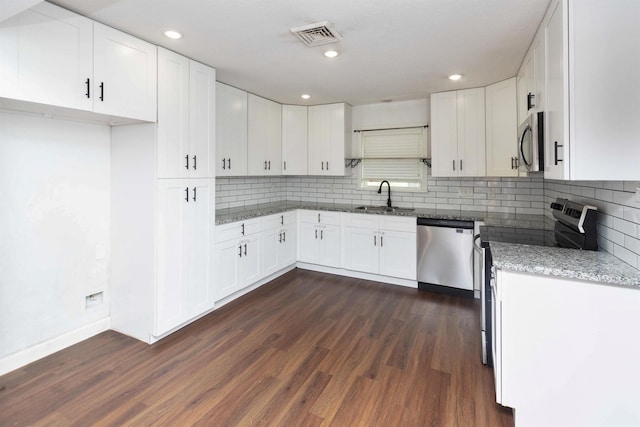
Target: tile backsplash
{"points": [[618, 210], [511, 195], [618, 213]]}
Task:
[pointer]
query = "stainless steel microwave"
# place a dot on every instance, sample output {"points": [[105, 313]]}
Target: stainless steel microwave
{"points": [[531, 144]]}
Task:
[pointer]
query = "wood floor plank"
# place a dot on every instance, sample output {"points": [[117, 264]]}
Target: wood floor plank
{"points": [[307, 349]]}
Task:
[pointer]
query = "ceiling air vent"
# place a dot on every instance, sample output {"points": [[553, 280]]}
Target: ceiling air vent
{"points": [[317, 34]]}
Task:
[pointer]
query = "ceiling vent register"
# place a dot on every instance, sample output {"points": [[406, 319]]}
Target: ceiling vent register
{"points": [[317, 34]]}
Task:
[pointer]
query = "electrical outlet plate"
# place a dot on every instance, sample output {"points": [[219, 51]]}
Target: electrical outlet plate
{"points": [[465, 192], [638, 194], [93, 300]]}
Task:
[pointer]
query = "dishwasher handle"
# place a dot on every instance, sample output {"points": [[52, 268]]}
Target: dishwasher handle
{"points": [[448, 223]]}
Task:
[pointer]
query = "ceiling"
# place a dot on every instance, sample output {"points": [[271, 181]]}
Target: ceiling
{"points": [[391, 49]]}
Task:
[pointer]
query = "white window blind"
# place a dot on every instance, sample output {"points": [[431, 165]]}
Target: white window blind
{"points": [[392, 155]]}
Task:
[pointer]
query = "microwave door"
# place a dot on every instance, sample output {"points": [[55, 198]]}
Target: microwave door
{"points": [[525, 148]]}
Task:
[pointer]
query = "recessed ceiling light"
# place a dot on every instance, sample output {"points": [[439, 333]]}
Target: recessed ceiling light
{"points": [[173, 34], [455, 77], [331, 54], [305, 96]]}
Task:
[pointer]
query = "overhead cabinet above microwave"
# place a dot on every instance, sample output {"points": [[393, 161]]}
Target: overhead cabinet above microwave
{"points": [[51, 56], [591, 110]]}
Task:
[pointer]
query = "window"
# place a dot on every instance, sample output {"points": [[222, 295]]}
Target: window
{"points": [[393, 155]]}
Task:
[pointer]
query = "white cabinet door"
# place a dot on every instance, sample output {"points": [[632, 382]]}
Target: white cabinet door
{"points": [[125, 74], [502, 153], [525, 86], [539, 69], [46, 54], [458, 133], [270, 245], [198, 295], [308, 246], [250, 263], [287, 248], [398, 256], [471, 132], [361, 249], [186, 102], [226, 268], [185, 211], [264, 136], [231, 131], [173, 115], [202, 125], [328, 128], [172, 266], [329, 245], [294, 140], [555, 119], [444, 134]]}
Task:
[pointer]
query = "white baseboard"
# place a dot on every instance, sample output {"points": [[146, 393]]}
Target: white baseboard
{"points": [[359, 275], [38, 351]]}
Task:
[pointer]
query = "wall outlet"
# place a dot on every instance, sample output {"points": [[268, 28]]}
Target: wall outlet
{"points": [[638, 194], [465, 191], [93, 300]]}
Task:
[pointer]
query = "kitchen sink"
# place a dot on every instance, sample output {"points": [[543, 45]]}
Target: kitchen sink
{"points": [[383, 209]]}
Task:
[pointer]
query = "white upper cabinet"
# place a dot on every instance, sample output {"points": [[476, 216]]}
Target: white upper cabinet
{"points": [[125, 74], [531, 81], [501, 129], [329, 133], [294, 140], [55, 57], [592, 133], [264, 136], [186, 117], [458, 133], [47, 57], [231, 131]]}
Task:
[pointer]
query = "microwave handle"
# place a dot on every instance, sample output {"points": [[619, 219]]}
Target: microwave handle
{"points": [[524, 159]]}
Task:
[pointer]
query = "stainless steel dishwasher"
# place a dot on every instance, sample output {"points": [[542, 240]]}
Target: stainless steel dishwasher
{"points": [[445, 255]]}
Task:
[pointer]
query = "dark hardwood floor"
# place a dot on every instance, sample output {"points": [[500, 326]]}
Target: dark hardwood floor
{"points": [[308, 349]]}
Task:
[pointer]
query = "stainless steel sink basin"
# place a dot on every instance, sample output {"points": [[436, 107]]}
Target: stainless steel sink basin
{"points": [[383, 209]]}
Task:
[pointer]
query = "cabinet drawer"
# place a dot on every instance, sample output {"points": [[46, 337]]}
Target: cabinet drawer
{"points": [[279, 220], [362, 220], [398, 223], [237, 230], [320, 217]]}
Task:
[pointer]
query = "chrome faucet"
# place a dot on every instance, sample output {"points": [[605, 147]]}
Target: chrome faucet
{"points": [[389, 194]]}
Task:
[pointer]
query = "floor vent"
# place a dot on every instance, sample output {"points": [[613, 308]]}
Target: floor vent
{"points": [[317, 34]]}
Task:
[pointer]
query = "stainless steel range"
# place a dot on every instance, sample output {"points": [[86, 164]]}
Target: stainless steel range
{"points": [[574, 226]]}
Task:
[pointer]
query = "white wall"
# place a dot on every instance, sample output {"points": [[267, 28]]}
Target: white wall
{"points": [[54, 230]]}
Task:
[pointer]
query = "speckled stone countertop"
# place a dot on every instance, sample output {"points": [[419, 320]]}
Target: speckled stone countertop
{"points": [[566, 263], [225, 216]]}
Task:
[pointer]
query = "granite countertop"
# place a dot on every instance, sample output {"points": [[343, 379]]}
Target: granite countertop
{"points": [[566, 263], [225, 216]]}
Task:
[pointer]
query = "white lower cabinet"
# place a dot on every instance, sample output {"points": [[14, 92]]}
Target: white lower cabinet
{"points": [[248, 251], [380, 245], [182, 291], [319, 238]]}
